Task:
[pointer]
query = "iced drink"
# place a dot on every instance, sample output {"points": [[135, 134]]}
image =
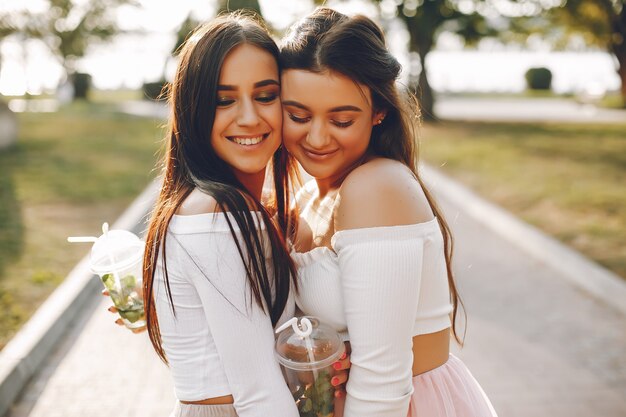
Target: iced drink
{"points": [[306, 351], [117, 257]]}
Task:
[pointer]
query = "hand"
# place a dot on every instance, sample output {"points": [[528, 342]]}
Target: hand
{"points": [[119, 321]]}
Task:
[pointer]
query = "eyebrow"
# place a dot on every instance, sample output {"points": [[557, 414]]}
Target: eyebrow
{"points": [[333, 110], [264, 83]]}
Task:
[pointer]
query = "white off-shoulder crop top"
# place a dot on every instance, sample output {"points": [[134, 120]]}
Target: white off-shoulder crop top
{"points": [[220, 342], [378, 287]]}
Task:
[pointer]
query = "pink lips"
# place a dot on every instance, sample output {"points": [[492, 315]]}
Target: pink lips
{"points": [[319, 155]]}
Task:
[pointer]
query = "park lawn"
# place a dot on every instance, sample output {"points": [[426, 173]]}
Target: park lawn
{"points": [[566, 179], [70, 171]]}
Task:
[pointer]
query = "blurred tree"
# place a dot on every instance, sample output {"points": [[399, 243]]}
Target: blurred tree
{"points": [[68, 27], [232, 5], [599, 22], [424, 20], [8, 121], [184, 30]]}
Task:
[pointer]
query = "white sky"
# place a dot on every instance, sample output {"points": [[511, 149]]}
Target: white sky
{"points": [[131, 59]]}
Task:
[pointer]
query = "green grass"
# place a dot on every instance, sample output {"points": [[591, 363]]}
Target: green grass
{"points": [[69, 172], [566, 179]]}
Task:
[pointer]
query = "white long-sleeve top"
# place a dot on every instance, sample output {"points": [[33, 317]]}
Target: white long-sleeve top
{"points": [[220, 342], [383, 285]]}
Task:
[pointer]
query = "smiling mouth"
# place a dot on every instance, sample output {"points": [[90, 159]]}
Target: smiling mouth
{"points": [[248, 140], [315, 154]]}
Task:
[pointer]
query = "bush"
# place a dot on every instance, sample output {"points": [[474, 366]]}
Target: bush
{"points": [[153, 90], [81, 82], [539, 78]]}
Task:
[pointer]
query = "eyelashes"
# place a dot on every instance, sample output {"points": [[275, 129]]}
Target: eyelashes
{"points": [[342, 124], [298, 119], [303, 120], [263, 99]]}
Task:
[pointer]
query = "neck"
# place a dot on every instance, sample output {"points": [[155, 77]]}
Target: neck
{"points": [[253, 183], [326, 185]]}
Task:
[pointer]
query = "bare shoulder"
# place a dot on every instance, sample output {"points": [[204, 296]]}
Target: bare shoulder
{"points": [[381, 192], [197, 203]]}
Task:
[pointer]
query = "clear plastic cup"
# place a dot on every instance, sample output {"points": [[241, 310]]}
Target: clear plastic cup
{"points": [[117, 257], [307, 349]]}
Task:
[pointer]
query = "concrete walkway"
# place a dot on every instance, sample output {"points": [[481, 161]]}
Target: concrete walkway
{"points": [[539, 345], [524, 110]]}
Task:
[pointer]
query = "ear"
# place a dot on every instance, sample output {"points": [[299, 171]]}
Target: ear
{"points": [[378, 117]]}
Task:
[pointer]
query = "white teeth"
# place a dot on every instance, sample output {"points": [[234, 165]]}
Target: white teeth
{"points": [[248, 141]]}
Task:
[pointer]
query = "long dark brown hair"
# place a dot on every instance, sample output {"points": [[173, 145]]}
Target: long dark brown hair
{"points": [[355, 47], [191, 162]]}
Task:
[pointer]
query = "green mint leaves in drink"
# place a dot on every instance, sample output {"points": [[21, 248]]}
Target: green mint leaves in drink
{"points": [[126, 296]]}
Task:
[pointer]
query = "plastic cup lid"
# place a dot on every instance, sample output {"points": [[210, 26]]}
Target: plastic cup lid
{"points": [[303, 349], [115, 251]]}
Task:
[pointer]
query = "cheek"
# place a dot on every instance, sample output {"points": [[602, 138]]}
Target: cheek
{"points": [[273, 115], [356, 140], [220, 122], [292, 132]]}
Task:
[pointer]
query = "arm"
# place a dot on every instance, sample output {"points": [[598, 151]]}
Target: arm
{"points": [[380, 273], [242, 331]]}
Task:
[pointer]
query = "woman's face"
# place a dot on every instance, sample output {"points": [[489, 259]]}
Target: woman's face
{"points": [[328, 120], [248, 116]]}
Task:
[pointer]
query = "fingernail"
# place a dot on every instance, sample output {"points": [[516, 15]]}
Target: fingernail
{"points": [[337, 365], [334, 381], [343, 356]]}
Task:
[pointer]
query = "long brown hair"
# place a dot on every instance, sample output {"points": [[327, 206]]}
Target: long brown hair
{"points": [[191, 162], [355, 47]]}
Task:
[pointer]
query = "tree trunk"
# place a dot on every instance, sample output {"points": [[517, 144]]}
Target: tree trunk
{"points": [[619, 49], [622, 75], [8, 126], [424, 93]]}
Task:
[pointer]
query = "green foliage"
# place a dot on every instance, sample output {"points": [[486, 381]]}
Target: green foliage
{"points": [[316, 399], [232, 5], [154, 90], [600, 23], [425, 20], [68, 27], [185, 29], [539, 78]]}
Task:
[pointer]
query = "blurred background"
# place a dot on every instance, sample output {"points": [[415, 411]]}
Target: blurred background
{"points": [[523, 101]]}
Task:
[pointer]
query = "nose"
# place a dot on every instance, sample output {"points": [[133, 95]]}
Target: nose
{"points": [[247, 114], [318, 136]]}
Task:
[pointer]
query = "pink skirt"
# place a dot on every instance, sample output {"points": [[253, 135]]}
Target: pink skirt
{"points": [[198, 410], [449, 391]]}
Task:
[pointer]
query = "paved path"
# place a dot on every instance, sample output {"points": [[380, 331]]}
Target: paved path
{"points": [[524, 110], [538, 346]]}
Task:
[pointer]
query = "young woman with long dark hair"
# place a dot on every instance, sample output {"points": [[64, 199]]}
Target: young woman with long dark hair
{"points": [[373, 250], [217, 276]]}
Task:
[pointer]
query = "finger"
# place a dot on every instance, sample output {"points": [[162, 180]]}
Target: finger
{"points": [[342, 364], [139, 330], [112, 309], [105, 293], [340, 400], [339, 378], [119, 322]]}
